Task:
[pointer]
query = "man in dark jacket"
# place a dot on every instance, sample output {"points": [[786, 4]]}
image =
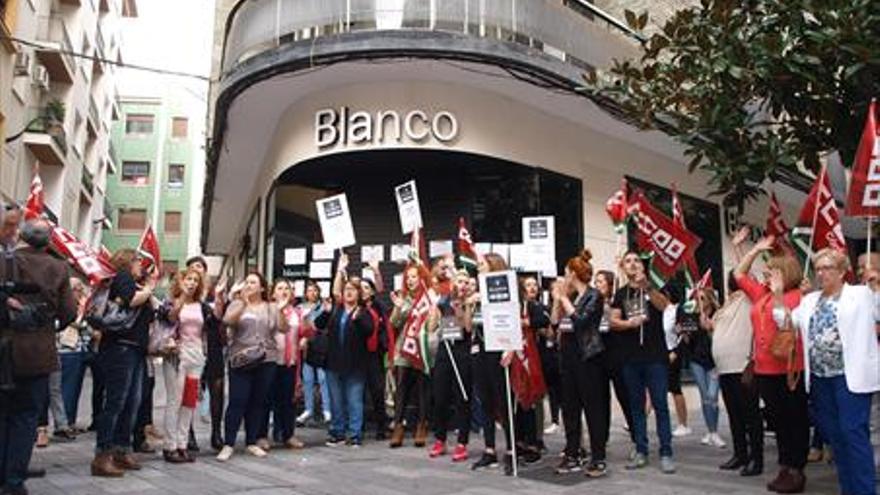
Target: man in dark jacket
{"points": [[38, 302]]}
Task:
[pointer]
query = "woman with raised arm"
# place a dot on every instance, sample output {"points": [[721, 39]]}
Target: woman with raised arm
{"points": [[775, 368]]}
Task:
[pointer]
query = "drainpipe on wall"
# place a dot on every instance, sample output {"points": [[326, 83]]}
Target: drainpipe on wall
{"points": [[160, 165]]}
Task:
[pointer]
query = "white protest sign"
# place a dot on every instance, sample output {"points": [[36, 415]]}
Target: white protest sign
{"points": [[400, 252], [294, 256], [335, 218], [539, 230], [439, 248], [408, 206], [320, 269], [373, 253], [322, 252], [499, 295]]}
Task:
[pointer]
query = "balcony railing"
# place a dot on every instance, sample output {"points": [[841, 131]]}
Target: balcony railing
{"points": [[551, 26], [54, 130], [54, 30], [88, 181], [93, 114]]}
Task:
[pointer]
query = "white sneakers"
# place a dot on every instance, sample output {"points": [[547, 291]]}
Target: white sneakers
{"points": [[302, 418], [713, 439], [552, 429], [327, 416], [682, 431], [225, 453], [256, 451]]}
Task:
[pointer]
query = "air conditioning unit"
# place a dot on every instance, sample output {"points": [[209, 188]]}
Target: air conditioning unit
{"points": [[22, 64], [41, 77]]}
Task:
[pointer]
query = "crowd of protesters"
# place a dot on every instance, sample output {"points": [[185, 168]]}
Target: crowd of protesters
{"points": [[806, 349]]}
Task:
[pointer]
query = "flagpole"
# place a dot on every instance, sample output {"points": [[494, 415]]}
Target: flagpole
{"points": [[813, 225], [464, 394], [510, 422]]}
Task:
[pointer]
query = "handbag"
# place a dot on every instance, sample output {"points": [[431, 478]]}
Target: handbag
{"points": [[249, 357], [784, 347], [317, 350], [161, 332]]}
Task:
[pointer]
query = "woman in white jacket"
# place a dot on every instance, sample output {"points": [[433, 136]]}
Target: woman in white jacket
{"points": [[841, 365]]}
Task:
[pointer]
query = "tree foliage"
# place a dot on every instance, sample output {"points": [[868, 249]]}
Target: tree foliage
{"points": [[750, 87]]}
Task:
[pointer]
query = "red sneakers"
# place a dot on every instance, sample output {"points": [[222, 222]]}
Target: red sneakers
{"points": [[460, 454], [438, 449]]}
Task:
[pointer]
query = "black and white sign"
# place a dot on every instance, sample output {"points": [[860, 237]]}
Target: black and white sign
{"points": [[407, 196], [335, 221], [500, 306]]}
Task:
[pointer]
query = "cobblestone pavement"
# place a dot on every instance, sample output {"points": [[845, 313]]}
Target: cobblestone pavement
{"points": [[376, 469]]}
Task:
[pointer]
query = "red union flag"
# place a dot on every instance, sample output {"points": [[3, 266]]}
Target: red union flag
{"points": [[668, 244], [692, 272], [864, 190], [35, 204], [415, 347], [617, 209], [776, 224], [80, 255], [819, 221], [466, 250], [149, 249]]}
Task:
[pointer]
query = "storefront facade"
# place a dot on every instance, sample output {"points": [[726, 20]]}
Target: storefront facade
{"points": [[485, 122]]}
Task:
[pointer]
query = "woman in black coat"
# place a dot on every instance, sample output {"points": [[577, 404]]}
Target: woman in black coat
{"points": [[347, 325]]}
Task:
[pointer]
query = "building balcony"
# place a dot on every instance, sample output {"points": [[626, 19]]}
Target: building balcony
{"points": [[100, 53], [47, 142], [113, 161], [56, 54], [573, 31], [87, 182], [93, 121], [7, 24], [75, 3]]}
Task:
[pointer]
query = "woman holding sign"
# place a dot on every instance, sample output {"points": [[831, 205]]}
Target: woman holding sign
{"points": [[576, 313], [489, 380], [412, 311], [451, 374]]}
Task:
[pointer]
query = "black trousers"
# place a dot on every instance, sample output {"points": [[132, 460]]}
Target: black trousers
{"points": [[526, 425], [447, 392], [490, 385], [376, 389], [585, 390], [793, 421], [145, 411], [613, 371], [744, 415], [550, 368], [410, 381]]}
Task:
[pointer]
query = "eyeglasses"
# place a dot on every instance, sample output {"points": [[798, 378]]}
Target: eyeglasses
{"points": [[825, 268]]}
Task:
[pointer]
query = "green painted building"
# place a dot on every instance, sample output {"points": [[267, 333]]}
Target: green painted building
{"points": [[157, 146]]}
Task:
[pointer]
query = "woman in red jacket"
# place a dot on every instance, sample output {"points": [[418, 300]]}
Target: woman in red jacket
{"points": [[786, 401]]}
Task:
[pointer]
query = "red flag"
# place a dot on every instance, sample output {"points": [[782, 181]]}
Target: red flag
{"points": [[616, 207], [693, 272], [149, 249], [668, 244], [864, 190], [820, 217], [776, 224], [35, 203], [526, 376], [466, 250], [80, 255], [415, 346]]}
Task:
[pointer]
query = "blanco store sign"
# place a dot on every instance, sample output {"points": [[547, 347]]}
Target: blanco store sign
{"points": [[342, 126]]}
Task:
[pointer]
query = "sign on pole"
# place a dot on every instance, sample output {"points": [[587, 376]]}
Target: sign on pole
{"points": [[408, 206], [335, 218], [500, 304]]}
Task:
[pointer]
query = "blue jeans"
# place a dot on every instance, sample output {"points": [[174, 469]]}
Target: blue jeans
{"points": [[638, 377], [308, 376], [843, 418], [707, 382], [248, 400], [346, 405], [19, 410], [73, 371], [123, 369], [281, 405]]}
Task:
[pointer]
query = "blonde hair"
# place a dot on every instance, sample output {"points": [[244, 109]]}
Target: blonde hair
{"points": [[838, 258]]}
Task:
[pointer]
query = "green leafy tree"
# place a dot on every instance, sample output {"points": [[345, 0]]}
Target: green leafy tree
{"points": [[752, 88]]}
